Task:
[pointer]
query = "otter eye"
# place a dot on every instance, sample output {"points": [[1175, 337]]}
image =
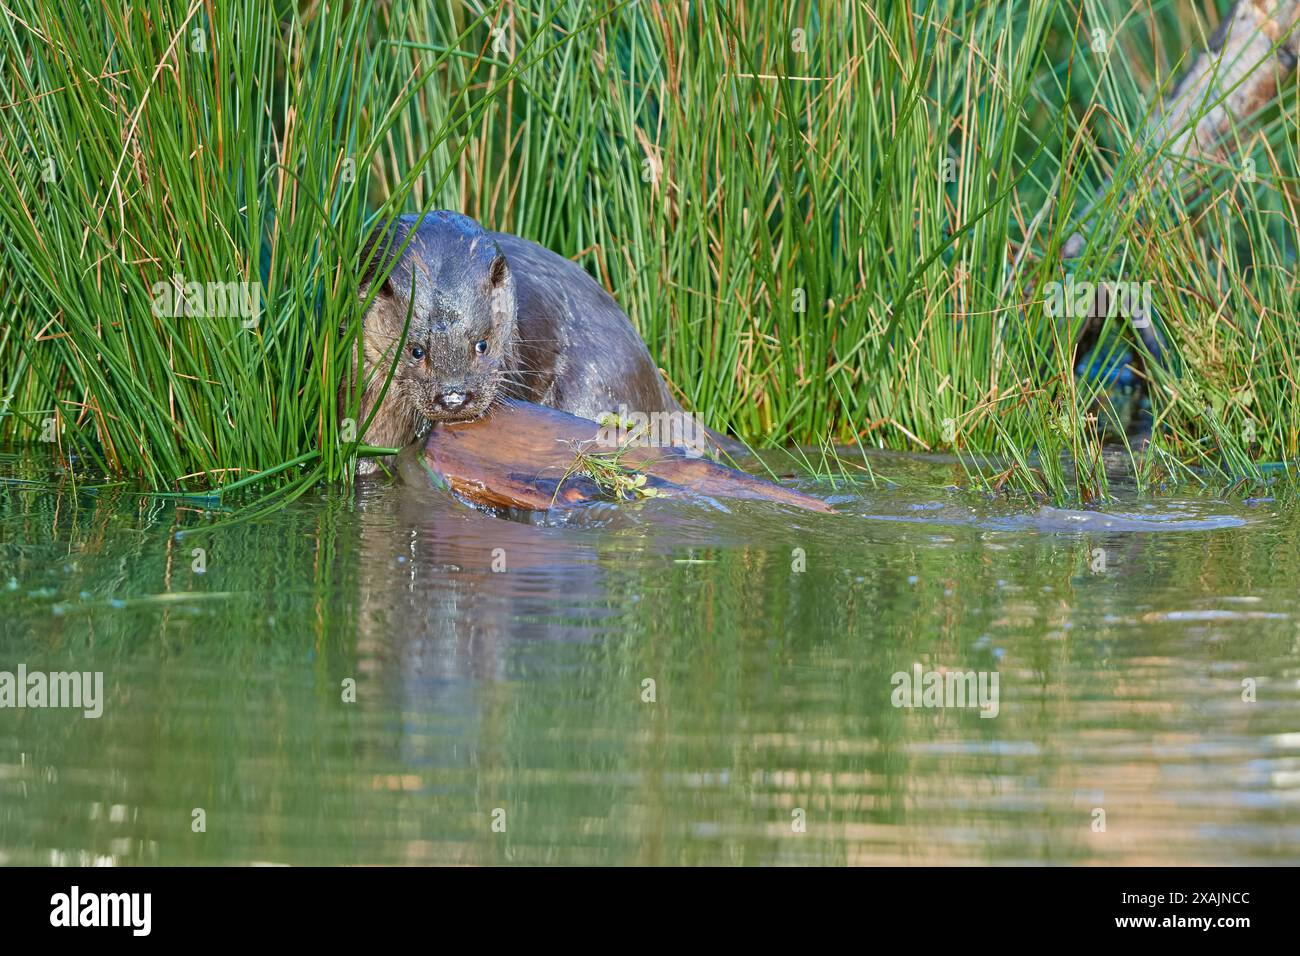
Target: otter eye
{"points": [[417, 352], [481, 347]]}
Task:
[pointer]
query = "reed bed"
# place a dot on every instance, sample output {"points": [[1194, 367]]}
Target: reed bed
{"points": [[834, 223]]}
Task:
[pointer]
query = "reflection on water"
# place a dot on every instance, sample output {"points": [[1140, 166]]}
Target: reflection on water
{"points": [[502, 668]]}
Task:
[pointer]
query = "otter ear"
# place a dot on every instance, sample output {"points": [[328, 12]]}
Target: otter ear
{"points": [[378, 255], [385, 289], [498, 271]]}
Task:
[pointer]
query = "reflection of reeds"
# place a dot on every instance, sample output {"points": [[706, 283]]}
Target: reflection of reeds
{"points": [[522, 689], [823, 235]]}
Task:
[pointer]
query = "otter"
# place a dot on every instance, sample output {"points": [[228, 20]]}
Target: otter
{"points": [[475, 317]]}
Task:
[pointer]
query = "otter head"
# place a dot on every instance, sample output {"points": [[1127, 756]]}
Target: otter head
{"points": [[446, 310]]}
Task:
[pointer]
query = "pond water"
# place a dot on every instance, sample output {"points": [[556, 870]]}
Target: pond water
{"points": [[504, 710]]}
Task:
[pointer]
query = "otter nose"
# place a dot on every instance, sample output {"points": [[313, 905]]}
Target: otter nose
{"points": [[453, 398]]}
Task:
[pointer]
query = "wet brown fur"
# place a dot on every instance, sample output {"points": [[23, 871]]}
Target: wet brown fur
{"points": [[554, 336]]}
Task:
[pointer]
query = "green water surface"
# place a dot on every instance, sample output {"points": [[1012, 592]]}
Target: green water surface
{"points": [[502, 708]]}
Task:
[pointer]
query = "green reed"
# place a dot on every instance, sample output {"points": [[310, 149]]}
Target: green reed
{"points": [[832, 222]]}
